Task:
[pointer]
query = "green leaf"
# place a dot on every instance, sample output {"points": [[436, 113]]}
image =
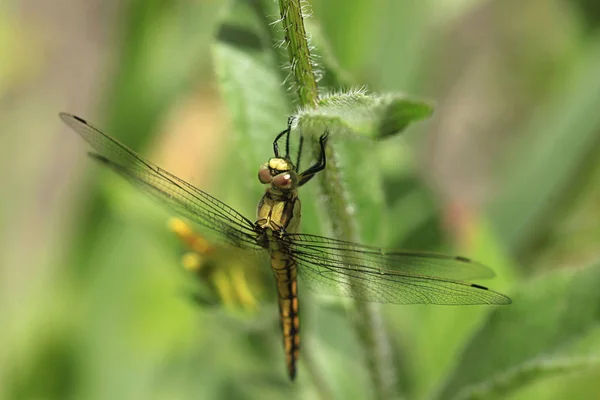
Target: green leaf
{"points": [[360, 113], [357, 191], [350, 118], [551, 327]]}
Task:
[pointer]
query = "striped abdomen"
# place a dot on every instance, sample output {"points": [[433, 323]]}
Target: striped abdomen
{"points": [[284, 269], [279, 212]]}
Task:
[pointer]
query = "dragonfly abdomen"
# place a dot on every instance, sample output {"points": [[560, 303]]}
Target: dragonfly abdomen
{"points": [[285, 272], [278, 213]]}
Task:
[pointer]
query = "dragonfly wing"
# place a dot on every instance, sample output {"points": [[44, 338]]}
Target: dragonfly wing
{"points": [[349, 269], [410, 262], [180, 196]]}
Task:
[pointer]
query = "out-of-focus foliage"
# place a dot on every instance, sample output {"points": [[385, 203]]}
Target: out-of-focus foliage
{"points": [[93, 297], [558, 341]]}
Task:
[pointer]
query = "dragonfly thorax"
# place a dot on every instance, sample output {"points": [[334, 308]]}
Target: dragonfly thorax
{"points": [[280, 173]]}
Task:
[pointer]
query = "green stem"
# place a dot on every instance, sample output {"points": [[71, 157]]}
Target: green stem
{"points": [[299, 52], [369, 322]]}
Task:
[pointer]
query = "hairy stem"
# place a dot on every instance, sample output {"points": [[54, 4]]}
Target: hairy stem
{"points": [[299, 52], [368, 323]]}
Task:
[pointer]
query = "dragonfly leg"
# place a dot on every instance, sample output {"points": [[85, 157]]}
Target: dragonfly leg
{"points": [[299, 153], [286, 132], [320, 164]]}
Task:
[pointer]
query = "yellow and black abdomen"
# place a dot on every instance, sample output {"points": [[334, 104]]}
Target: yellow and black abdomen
{"points": [[284, 269], [279, 213]]}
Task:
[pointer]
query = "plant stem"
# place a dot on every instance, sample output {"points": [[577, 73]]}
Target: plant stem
{"points": [[299, 52], [368, 323]]}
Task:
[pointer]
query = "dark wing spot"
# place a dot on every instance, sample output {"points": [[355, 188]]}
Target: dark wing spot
{"points": [[83, 121], [479, 286], [465, 259]]}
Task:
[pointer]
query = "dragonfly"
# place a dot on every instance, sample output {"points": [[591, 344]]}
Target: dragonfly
{"points": [[325, 265]]}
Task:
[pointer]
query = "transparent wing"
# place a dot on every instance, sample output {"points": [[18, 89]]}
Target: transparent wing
{"points": [[177, 194], [411, 262], [368, 273]]}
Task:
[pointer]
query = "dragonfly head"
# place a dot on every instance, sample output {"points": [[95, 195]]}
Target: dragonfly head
{"points": [[280, 173]]}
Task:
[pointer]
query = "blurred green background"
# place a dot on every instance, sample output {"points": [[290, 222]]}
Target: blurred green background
{"points": [[94, 302]]}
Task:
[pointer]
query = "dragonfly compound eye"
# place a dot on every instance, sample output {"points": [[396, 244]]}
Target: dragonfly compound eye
{"points": [[264, 174], [286, 180]]}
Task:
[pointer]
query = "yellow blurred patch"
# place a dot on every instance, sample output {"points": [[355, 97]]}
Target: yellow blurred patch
{"points": [[217, 265]]}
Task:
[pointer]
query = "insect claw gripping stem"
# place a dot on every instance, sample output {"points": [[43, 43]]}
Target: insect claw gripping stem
{"points": [[323, 140], [319, 166], [299, 153], [286, 131]]}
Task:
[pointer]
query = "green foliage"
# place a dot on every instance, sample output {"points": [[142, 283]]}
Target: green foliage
{"points": [[359, 113], [109, 316], [501, 358], [557, 145], [244, 49], [162, 51]]}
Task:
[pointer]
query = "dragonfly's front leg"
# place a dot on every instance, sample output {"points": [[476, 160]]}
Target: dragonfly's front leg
{"points": [[286, 132], [320, 164]]}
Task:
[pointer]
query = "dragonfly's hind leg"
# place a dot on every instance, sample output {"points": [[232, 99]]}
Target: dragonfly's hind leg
{"points": [[320, 164]]}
